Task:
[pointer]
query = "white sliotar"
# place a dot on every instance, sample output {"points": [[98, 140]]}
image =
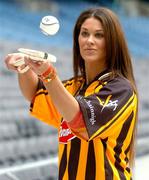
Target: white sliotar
{"points": [[49, 25]]}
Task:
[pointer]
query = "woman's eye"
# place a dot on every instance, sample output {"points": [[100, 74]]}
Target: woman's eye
{"points": [[84, 33], [99, 35]]}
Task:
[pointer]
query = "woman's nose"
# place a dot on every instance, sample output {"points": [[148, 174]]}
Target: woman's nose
{"points": [[90, 39]]}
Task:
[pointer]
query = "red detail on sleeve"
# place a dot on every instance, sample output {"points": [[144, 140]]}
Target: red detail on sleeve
{"points": [[77, 122]]}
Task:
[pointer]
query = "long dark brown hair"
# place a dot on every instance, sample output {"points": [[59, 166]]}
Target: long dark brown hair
{"points": [[117, 54]]}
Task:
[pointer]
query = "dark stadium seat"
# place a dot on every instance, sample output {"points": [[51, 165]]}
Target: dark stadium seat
{"points": [[6, 177], [142, 146], [29, 174], [49, 172], [45, 129], [34, 148], [8, 131], [7, 153], [47, 145], [28, 149], [39, 170], [143, 128]]}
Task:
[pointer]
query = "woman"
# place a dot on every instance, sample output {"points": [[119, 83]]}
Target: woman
{"points": [[94, 112]]}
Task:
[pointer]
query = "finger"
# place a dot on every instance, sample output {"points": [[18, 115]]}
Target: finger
{"points": [[8, 62], [30, 64], [37, 59], [11, 67], [35, 62], [11, 59], [23, 69]]}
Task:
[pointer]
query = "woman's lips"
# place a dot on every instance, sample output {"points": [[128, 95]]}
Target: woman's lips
{"points": [[90, 51]]}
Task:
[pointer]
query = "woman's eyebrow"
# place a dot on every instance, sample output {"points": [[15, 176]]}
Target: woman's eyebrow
{"points": [[84, 28], [99, 30]]}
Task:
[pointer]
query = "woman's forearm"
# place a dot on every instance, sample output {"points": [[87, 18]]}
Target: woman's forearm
{"points": [[65, 103], [28, 84]]}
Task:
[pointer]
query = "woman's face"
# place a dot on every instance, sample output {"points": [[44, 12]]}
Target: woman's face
{"points": [[91, 41]]}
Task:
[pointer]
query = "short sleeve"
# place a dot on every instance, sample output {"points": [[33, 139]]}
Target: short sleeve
{"points": [[108, 108], [43, 108]]}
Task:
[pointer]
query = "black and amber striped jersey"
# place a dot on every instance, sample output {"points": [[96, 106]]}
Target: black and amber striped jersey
{"points": [[109, 108]]}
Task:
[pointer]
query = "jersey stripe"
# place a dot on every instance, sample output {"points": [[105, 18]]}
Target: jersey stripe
{"points": [[107, 125], [74, 158], [63, 163], [82, 160], [126, 152], [107, 167], [90, 167], [118, 148], [123, 139]]}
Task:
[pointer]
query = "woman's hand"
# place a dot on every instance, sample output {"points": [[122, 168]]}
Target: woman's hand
{"points": [[11, 59], [39, 66], [28, 81]]}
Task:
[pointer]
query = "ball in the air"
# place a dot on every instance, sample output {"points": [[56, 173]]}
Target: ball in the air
{"points": [[49, 25]]}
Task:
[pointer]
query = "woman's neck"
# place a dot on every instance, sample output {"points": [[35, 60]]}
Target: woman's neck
{"points": [[92, 70]]}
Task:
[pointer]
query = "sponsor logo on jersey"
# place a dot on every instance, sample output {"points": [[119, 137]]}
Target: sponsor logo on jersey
{"points": [[112, 104], [65, 133], [108, 103], [92, 119]]}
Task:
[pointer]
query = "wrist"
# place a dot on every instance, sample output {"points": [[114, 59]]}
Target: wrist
{"points": [[48, 75]]}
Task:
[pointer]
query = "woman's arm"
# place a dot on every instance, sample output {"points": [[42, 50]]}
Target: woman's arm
{"points": [[28, 81], [28, 84], [64, 102]]}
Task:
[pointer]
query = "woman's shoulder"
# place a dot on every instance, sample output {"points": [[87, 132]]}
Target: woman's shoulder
{"points": [[73, 84], [73, 81], [121, 82]]}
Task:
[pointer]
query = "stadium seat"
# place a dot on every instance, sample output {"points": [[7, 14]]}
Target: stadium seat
{"points": [[8, 131], [29, 174], [49, 172]]}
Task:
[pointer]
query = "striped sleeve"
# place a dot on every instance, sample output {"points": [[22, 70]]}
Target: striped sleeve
{"points": [[43, 108], [107, 109]]}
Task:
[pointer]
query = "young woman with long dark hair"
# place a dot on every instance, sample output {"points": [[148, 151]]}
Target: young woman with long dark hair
{"points": [[95, 112]]}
